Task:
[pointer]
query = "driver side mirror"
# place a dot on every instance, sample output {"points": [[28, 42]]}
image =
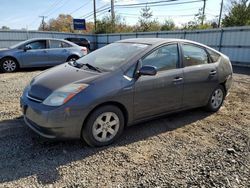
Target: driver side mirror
{"points": [[27, 47], [147, 70]]}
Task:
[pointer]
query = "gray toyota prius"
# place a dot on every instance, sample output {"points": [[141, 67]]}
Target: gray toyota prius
{"points": [[124, 83]]}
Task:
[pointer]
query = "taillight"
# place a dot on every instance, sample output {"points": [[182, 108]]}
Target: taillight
{"points": [[84, 50]]}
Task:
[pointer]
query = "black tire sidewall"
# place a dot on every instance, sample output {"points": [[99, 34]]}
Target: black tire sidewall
{"points": [[209, 106], [71, 57], [87, 134], [1, 65]]}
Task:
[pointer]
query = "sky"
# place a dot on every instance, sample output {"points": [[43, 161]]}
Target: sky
{"points": [[19, 14]]}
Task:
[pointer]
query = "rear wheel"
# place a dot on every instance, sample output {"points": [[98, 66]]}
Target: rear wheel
{"points": [[216, 99], [103, 126], [8, 64]]}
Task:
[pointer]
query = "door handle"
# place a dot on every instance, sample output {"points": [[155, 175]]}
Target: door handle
{"points": [[212, 72], [178, 79]]}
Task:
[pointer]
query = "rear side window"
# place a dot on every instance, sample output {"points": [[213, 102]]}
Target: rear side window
{"points": [[58, 44], [194, 55], [214, 56]]}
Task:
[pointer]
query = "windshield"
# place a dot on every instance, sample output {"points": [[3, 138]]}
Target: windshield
{"points": [[17, 45], [112, 56]]}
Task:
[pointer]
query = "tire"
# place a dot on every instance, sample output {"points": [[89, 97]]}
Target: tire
{"points": [[98, 131], [72, 58], [216, 99], [8, 65]]}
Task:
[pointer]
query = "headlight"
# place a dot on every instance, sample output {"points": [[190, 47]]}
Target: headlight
{"points": [[64, 94]]}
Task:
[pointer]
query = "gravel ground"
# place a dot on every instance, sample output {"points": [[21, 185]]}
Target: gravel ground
{"points": [[188, 149]]}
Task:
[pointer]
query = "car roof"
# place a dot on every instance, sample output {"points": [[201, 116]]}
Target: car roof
{"points": [[153, 41]]}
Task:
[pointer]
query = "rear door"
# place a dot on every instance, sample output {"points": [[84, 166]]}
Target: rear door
{"points": [[58, 52], [37, 55], [200, 75], [163, 92]]}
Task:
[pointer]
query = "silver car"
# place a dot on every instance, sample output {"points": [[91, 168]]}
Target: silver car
{"points": [[39, 53]]}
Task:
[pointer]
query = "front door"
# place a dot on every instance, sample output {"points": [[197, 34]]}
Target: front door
{"points": [[154, 95], [35, 55]]}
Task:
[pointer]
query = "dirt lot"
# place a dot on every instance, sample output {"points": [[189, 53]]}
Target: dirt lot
{"points": [[188, 149]]}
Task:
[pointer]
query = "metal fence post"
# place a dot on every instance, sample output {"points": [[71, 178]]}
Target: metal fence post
{"points": [[221, 39], [185, 33], [96, 44]]}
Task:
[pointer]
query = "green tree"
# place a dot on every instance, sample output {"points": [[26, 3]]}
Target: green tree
{"points": [[168, 25], [196, 23], [107, 25], [238, 14], [146, 23], [63, 23]]}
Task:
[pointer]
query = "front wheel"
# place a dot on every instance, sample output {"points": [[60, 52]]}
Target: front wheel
{"points": [[103, 126], [8, 65], [216, 99]]}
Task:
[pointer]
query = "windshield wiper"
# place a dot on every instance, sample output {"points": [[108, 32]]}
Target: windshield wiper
{"points": [[92, 67], [78, 65]]}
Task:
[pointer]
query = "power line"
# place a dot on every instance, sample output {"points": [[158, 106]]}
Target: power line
{"points": [[102, 8], [58, 8], [51, 7], [46, 11], [139, 5], [147, 3], [96, 13], [133, 6], [80, 7]]}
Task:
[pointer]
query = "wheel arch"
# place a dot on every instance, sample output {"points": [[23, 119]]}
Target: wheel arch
{"points": [[15, 59], [112, 103], [72, 55]]}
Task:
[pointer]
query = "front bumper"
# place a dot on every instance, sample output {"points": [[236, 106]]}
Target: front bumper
{"points": [[54, 123]]}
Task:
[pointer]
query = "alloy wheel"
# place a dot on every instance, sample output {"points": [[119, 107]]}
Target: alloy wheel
{"points": [[217, 98], [9, 65], [106, 127]]}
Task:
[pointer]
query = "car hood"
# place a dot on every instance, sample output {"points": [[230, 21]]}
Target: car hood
{"points": [[47, 82]]}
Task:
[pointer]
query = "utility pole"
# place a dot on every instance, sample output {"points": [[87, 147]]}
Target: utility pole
{"points": [[43, 22], [203, 12], [113, 15], [112, 10], [94, 14], [221, 9]]}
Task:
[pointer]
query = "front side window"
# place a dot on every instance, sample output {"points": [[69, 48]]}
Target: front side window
{"points": [[41, 44], [194, 55], [164, 58]]}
